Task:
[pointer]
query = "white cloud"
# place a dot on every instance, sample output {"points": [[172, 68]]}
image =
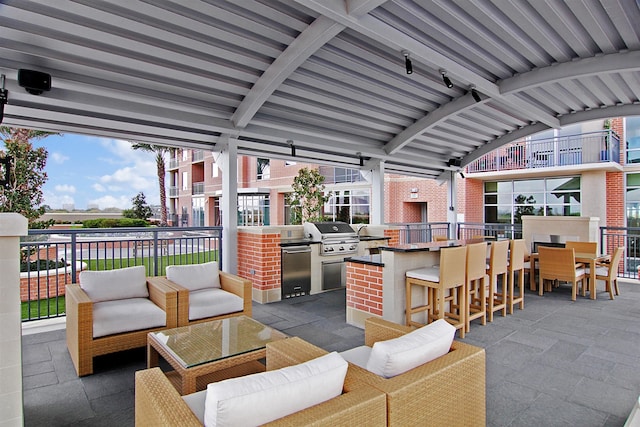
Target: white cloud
{"points": [[122, 202], [58, 157], [99, 187], [65, 188], [56, 200]]}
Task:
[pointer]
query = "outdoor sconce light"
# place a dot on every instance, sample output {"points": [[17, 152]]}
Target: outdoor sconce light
{"points": [[445, 79], [3, 97], [407, 62], [5, 171]]}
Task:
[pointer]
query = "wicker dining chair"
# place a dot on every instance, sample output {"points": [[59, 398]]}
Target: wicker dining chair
{"points": [[560, 264], [517, 249], [583, 247], [442, 285], [476, 283], [497, 271], [608, 272]]}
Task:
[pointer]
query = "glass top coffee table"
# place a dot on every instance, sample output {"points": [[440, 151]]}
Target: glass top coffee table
{"points": [[211, 351]]}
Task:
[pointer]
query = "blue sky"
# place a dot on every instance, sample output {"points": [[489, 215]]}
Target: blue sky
{"points": [[84, 170]]}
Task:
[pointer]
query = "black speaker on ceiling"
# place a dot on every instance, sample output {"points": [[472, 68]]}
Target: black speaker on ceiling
{"points": [[454, 162], [34, 82]]}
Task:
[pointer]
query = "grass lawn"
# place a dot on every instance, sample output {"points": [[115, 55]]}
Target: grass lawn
{"points": [[43, 308], [48, 308], [181, 259]]}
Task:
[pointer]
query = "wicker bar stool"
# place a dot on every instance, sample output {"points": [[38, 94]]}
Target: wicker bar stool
{"points": [[443, 284], [516, 265], [497, 268], [476, 281]]}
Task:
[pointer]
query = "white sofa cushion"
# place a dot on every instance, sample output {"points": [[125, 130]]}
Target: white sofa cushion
{"points": [[195, 276], [213, 302], [259, 398], [358, 355], [195, 402], [134, 314], [396, 356], [108, 285]]}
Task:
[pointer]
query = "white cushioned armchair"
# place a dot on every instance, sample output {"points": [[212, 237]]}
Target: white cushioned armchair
{"points": [[113, 310], [206, 293]]}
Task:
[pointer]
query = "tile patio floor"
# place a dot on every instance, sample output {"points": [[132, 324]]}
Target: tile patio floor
{"points": [[556, 363]]}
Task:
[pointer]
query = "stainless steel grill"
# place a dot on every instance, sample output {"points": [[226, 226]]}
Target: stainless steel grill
{"points": [[336, 238]]}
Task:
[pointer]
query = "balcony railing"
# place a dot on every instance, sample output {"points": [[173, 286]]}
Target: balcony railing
{"points": [[174, 191], [197, 156], [592, 147], [197, 188], [173, 164], [56, 258]]}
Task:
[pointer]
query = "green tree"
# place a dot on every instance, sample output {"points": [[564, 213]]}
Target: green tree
{"points": [[159, 151], [140, 210], [23, 193], [308, 197]]}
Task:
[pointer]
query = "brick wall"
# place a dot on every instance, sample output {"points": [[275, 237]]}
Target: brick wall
{"points": [[402, 207], [259, 259], [364, 287], [474, 203], [394, 236], [615, 199]]}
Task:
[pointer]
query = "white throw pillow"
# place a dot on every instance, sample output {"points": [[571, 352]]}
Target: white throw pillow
{"points": [[195, 276], [393, 357], [259, 398], [109, 285]]}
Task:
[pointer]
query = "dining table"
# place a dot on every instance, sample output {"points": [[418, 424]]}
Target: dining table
{"points": [[586, 258]]}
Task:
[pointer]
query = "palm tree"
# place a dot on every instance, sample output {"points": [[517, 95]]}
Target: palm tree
{"points": [[159, 151]]}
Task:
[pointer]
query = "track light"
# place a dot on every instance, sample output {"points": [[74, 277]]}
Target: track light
{"points": [[293, 147], [445, 79], [3, 97], [359, 154], [407, 62], [475, 94]]}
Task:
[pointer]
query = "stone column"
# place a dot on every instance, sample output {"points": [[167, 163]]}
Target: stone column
{"points": [[12, 226]]}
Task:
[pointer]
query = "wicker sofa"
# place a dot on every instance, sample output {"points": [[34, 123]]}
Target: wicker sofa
{"points": [[449, 390], [232, 284], [82, 341], [158, 403]]}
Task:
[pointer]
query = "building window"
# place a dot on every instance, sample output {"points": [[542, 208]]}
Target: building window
{"points": [[333, 175], [263, 169], [632, 135], [253, 209], [508, 201], [185, 155], [350, 206], [632, 199], [197, 212], [185, 181], [214, 170]]}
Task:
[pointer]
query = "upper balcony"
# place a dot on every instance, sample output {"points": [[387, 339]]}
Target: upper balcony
{"points": [[600, 148], [197, 156], [174, 163]]}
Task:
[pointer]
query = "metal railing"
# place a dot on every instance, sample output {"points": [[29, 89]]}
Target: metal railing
{"points": [[470, 230], [56, 258], [592, 147], [197, 156], [419, 232], [627, 237], [197, 188]]}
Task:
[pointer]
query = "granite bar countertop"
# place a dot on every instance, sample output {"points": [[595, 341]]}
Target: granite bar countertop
{"points": [[369, 238], [296, 242], [366, 259], [430, 246]]}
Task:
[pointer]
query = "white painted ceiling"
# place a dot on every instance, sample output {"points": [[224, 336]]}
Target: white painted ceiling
{"points": [[328, 75]]}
